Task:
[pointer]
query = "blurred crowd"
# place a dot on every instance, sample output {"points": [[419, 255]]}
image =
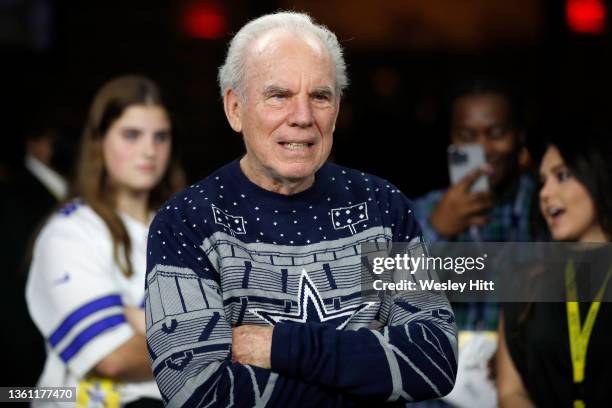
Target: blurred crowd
{"points": [[554, 184]]}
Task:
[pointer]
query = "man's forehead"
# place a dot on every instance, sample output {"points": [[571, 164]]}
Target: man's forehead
{"points": [[276, 58], [487, 105], [274, 40], [484, 101]]}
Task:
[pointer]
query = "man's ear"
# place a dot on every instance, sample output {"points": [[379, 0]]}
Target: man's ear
{"points": [[337, 112], [232, 104], [525, 161]]}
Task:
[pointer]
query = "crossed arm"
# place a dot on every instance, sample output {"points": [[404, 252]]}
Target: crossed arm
{"points": [[197, 360]]}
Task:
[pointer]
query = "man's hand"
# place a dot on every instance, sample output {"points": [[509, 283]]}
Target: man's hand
{"points": [[459, 208], [252, 345]]}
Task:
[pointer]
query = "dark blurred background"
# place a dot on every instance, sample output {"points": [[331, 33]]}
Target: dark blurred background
{"points": [[403, 57]]}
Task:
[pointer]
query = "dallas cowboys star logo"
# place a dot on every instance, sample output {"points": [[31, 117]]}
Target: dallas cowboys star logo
{"points": [[311, 308]]}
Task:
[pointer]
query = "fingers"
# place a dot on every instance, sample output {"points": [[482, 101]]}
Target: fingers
{"points": [[479, 201], [481, 196], [475, 208], [467, 181], [452, 214], [472, 176], [474, 203], [478, 220]]}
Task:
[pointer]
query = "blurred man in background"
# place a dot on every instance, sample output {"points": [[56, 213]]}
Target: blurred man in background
{"points": [[28, 195], [482, 112]]}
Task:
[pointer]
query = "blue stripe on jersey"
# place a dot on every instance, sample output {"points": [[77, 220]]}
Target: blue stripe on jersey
{"points": [[80, 314], [71, 207], [89, 333]]}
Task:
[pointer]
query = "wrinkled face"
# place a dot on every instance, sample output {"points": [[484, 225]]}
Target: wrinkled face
{"points": [[565, 203], [137, 148], [288, 114], [485, 119]]}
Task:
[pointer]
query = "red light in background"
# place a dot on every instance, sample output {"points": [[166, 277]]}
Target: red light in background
{"points": [[586, 16], [204, 20]]}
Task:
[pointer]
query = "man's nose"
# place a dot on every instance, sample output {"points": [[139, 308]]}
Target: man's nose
{"points": [[486, 144], [301, 113]]}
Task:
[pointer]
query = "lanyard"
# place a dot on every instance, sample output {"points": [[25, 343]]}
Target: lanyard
{"points": [[579, 336]]}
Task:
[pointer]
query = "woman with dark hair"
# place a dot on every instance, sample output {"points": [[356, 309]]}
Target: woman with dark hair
{"points": [[557, 354], [85, 287]]}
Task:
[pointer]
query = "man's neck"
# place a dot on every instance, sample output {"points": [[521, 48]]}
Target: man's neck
{"points": [[284, 187], [508, 189]]}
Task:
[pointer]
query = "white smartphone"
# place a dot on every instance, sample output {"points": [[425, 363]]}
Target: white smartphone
{"points": [[463, 159]]}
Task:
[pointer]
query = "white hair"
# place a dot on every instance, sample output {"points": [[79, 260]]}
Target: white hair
{"points": [[232, 72]]}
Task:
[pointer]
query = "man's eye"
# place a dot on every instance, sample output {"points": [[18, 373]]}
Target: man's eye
{"points": [[465, 135], [497, 132], [321, 97], [279, 96]]}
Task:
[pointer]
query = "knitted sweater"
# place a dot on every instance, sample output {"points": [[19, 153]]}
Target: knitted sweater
{"points": [[225, 253]]}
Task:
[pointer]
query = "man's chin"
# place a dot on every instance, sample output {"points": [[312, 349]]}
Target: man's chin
{"points": [[500, 179], [296, 178], [297, 172]]}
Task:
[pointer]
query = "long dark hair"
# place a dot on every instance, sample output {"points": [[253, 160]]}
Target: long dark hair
{"points": [[91, 182], [587, 152]]}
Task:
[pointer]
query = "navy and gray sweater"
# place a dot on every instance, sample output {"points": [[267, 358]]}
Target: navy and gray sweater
{"points": [[225, 253]]}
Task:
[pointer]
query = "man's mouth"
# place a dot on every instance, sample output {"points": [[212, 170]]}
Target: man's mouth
{"points": [[295, 146]]}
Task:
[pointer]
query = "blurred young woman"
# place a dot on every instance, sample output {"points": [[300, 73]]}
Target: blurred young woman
{"points": [[86, 282], [558, 354]]}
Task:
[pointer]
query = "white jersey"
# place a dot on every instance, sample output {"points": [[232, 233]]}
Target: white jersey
{"points": [[76, 294]]}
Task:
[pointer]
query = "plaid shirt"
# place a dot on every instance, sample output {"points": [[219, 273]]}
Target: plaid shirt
{"points": [[508, 221]]}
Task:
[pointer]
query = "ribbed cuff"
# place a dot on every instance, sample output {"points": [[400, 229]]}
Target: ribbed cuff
{"points": [[280, 357]]}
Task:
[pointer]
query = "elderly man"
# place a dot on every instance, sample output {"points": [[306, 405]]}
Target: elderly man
{"points": [[254, 294]]}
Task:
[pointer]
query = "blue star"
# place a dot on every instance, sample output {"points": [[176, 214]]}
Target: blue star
{"points": [[311, 308]]}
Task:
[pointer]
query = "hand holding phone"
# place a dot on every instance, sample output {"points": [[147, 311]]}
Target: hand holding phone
{"points": [[464, 204], [463, 160]]}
